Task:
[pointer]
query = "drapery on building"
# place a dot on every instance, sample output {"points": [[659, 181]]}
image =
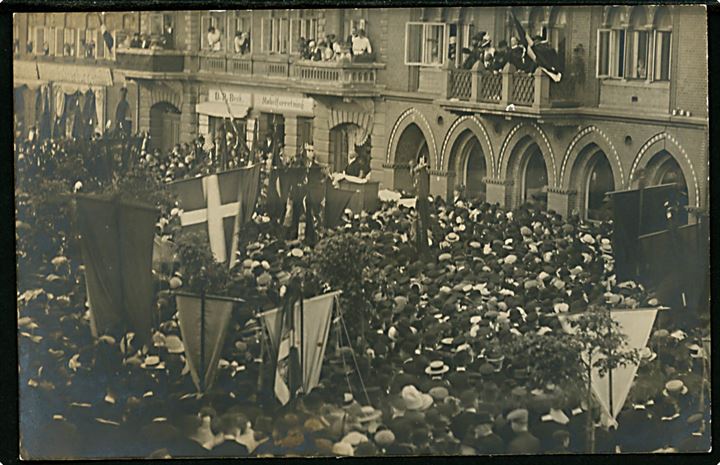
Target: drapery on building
{"points": [[633, 97]]}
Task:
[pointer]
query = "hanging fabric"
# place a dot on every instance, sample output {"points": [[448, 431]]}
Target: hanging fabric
{"points": [[89, 114]]}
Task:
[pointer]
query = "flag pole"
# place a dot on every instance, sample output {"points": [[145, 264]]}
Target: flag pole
{"points": [[202, 331]]}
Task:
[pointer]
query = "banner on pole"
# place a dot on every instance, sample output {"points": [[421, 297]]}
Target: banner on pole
{"points": [[637, 325], [309, 337], [203, 333], [116, 241]]}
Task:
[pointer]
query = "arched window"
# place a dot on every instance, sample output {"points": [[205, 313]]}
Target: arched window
{"points": [[537, 25], [611, 45], [558, 32], [663, 38], [638, 45]]}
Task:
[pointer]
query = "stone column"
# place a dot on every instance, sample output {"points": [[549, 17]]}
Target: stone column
{"points": [[499, 191], [562, 201], [441, 183], [291, 135], [188, 115]]}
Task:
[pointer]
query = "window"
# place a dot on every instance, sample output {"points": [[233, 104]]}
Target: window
{"points": [[212, 33], [303, 28], [69, 42], [638, 46], [88, 43], [662, 55], [355, 25], [425, 44], [239, 24], [41, 40], [275, 35], [663, 39], [304, 132], [611, 53]]}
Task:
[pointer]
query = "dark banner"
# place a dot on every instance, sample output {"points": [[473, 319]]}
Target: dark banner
{"points": [[116, 240], [636, 213]]}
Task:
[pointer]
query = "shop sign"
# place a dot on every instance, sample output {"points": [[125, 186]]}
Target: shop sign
{"points": [[281, 104], [231, 97]]}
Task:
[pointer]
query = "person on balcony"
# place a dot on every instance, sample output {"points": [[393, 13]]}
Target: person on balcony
{"points": [[343, 54], [328, 54], [241, 43], [316, 51], [361, 47], [168, 37], [214, 39], [501, 56], [474, 53], [135, 41], [518, 56]]}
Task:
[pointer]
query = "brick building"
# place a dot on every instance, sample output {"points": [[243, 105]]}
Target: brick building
{"points": [[633, 97]]}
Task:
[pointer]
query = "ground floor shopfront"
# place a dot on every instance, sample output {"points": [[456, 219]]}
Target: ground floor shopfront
{"points": [[61, 100], [566, 165], [270, 119]]}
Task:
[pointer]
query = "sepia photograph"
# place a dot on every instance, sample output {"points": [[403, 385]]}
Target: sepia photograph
{"points": [[382, 231]]}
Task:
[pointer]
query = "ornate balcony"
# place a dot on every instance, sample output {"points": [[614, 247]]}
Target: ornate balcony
{"points": [[315, 77], [506, 91], [150, 60], [331, 77]]}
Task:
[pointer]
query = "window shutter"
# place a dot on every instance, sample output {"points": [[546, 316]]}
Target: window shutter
{"points": [[602, 63], [99, 44], [413, 43]]}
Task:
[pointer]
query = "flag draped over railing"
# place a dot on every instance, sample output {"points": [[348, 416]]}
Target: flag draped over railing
{"points": [[541, 53]]}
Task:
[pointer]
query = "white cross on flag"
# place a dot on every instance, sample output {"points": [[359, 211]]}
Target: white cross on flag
{"points": [[219, 204]]}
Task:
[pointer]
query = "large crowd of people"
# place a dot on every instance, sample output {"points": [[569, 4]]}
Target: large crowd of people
{"points": [[435, 371]]}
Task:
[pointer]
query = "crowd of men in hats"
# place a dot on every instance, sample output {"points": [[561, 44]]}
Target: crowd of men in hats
{"points": [[434, 373]]}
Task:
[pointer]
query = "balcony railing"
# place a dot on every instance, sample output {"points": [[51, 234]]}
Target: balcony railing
{"points": [[534, 91], [461, 83], [140, 59], [321, 76]]}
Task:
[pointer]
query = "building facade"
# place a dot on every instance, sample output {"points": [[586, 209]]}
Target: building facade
{"points": [[632, 102]]}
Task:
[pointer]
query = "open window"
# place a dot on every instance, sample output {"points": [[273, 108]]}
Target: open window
{"points": [[213, 32], [425, 44], [275, 34], [638, 45], [239, 27], [663, 38], [611, 47]]}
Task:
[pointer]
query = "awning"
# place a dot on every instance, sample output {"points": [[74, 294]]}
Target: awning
{"points": [[220, 109], [82, 76], [25, 72]]}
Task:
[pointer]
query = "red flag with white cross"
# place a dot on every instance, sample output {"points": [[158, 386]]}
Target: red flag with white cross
{"points": [[219, 204]]}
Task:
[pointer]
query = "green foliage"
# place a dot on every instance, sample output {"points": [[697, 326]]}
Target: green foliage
{"points": [[601, 339], [200, 271], [553, 358]]}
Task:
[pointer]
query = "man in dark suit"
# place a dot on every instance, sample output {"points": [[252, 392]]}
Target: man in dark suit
{"points": [[231, 428], [486, 442], [523, 442]]}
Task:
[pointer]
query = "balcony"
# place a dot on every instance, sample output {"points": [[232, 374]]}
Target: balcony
{"points": [[150, 60], [505, 91], [315, 77]]}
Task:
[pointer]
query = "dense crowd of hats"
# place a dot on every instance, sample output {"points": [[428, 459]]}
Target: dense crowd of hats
{"points": [[433, 373]]}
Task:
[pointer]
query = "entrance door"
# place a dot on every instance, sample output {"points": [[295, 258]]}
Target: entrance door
{"points": [[475, 171], [164, 126], [535, 179]]}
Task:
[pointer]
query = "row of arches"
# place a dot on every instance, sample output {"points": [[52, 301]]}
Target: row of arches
{"points": [[527, 165]]}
